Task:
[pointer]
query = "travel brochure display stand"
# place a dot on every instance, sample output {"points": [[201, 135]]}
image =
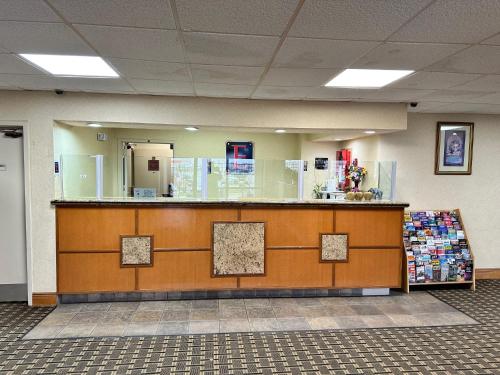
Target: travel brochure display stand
{"points": [[437, 251]]}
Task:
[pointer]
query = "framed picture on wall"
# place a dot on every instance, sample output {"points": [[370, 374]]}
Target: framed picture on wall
{"points": [[454, 148]]}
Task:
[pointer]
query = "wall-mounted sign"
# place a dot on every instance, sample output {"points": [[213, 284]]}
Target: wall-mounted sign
{"points": [[321, 163], [153, 165], [239, 157]]}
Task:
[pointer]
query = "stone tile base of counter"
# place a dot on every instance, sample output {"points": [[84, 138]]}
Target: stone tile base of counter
{"points": [[148, 318], [209, 294]]}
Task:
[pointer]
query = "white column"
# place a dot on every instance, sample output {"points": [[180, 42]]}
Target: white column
{"points": [[300, 180], [99, 176], [204, 178]]}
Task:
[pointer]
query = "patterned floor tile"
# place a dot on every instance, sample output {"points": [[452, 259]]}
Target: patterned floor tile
{"points": [[442, 349]]}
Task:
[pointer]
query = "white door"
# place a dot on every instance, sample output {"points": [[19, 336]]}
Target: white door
{"points": [[13, 285]]}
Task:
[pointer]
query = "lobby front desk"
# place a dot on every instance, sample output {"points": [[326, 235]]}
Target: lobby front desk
{"points": [[168, 247]]}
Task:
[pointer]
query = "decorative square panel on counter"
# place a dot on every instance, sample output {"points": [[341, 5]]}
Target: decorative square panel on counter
{"points": [[334, 247], [136, 251], [238, 248]]}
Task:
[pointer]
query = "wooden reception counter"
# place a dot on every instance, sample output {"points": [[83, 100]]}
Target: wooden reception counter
{"points": [[97, 251]]}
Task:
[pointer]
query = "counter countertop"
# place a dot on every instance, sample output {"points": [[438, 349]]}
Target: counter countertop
{"points": [[220, 203]]}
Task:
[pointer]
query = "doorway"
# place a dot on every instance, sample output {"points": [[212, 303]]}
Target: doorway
{"points": [[147, 169], [13, 270]]}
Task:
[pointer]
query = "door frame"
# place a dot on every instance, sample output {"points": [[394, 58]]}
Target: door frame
{"points": [[27, 201]]}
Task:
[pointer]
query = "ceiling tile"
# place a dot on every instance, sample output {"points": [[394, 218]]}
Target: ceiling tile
{"points": [[469, 108], [41, 82], [406, 55], [133, 13], [485, 83], [433, 80], [298, 77], [426, 107], [93, 84], [162, 87], [451, 96], [37, 37], [13, 64], [226, 74], [453, 21], [151, 69], [488, 99], [132, 43], [27, 10], [222, 90], [330, 93], [224, 49], [398, 95], [257, 17], [320, 53], [283, 93], [477, 59], [354, 19]]}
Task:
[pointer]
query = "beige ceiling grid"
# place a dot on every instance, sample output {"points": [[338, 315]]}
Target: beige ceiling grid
{"points": [[264, 49]]}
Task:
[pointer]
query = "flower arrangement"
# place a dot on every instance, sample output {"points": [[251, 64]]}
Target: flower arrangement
{"points": [[356, 173]]}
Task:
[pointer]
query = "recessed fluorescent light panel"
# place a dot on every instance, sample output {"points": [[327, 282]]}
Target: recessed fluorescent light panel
{"points": [[280, 131], [367, 78], [72, 66], [191, 128], [94, 125], [370, 132]]}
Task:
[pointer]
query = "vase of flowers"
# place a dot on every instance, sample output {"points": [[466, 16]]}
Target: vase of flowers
{"points": [[356, 174]]}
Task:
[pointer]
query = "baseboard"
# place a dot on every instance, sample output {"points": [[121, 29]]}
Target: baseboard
{"points": [[44, 299], [487, 273], [13, 292]]}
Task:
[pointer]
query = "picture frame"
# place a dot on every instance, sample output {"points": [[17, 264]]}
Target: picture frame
{"points": [[454, 144]]}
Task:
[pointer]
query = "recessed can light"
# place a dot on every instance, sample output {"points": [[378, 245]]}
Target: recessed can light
{"points": [[366, 78], [72, 66], [280, 131], [94, 125], [192, 128]]}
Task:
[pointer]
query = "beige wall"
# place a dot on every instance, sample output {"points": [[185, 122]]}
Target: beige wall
{"points": [[475, 195]]}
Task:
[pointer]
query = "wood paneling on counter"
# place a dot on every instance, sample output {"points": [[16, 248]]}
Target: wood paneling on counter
{"points": [[371, 228], [93, 229], [292, 268], [182, 270], [292, 227], [370, 268], [182, 228], [93, 272]]}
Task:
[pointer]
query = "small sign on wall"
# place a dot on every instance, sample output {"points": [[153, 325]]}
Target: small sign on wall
{"points": [[153, 165], [321, 163]]}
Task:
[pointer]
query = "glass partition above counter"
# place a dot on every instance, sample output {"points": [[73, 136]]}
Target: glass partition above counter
{"points": [[98, 176]]}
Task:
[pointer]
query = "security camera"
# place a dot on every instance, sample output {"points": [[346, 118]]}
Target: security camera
{"points": [[413, 104], [59, 92]]}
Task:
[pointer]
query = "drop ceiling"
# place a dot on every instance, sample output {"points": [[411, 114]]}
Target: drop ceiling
{"points": [[264, 49]]}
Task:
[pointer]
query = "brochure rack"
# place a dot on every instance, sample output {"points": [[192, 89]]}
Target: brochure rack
{"points": [[437, 251]]}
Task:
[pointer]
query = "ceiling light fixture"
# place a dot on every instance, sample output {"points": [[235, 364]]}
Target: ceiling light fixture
{"points": [[370, 132], [192, 128], [72, 66], [338, 139], [94, 125], [280, 131], [366, 78]]}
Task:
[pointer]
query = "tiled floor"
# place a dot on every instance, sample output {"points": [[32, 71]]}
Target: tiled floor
{"points": [[458, 349], [418, 309]]}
